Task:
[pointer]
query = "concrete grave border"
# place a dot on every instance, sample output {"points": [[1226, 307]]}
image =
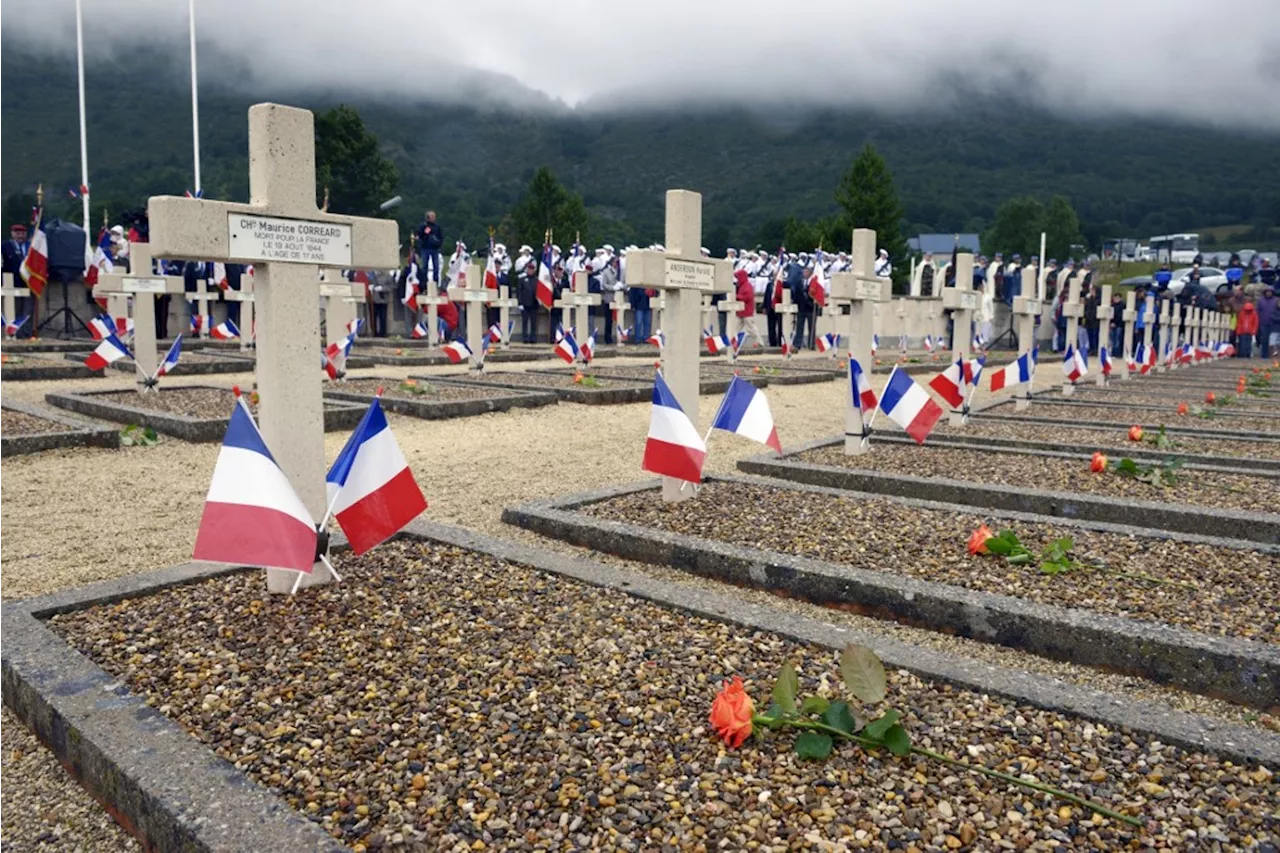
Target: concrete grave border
{"points": [[988, 412], [81, 345], [621, 391], [337, 414], [707, 384], [1239, 670], [502, 400], [226, 363], [171, 791], [81, 434], [71, 367]]}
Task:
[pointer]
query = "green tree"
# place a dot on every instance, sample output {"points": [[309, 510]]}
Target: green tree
{"points": [[349, 164], [547, 204], [1017, 228], [868, 199], [1061, 227]]}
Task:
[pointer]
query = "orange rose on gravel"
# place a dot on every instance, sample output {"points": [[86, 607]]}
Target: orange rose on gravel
{"points": [[731, 713], [1182, 408], [1098, 463], [1210, 397], [978, 541], [1135, 433]]}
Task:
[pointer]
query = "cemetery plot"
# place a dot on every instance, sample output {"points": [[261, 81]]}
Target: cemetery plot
{"points": [[1225, 407], [580, 387], [442, 698], [1207, 423], [402, 355], [192, 412], [712, 378], [1190, 611], [32, 367], [426, 397], [780, 373], [29, 429], [201, 363], [1226, 400]]}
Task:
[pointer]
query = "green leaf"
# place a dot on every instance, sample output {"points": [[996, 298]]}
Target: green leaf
{"points": [[876, 728], [897, 740], [839, 716], [999, 547], [813, 745], [773, 713], [786, 688], [814, 705], [863, 673], [1020, 559]]}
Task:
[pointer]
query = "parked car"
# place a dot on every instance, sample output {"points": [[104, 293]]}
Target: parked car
{"points": [[1210, 277]]}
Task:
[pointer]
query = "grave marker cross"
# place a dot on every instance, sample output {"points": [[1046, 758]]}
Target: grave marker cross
{"points": [[1165, 340], [788, 310], [620, 308], [1104, 330], [475, 296], [1148, 322], [582, 300], [1129, 316], [1073, 311], [963, 302], [860, 289], [286, 237], [504, 303], [10, 294], [145, 287], [340, 298], [433, 299]]}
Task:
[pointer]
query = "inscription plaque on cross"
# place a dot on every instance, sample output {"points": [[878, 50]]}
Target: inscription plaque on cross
{"points": [[682, 275], [582, 300], [963, 302], [1130, 317], [340, 298], [144, 288], [1164, 339], [10, 294], [1073, 311], [1148, 324], [287, 239], [474, 296], [1104, 330], [504, 303], [860, 289], [787, 311]]}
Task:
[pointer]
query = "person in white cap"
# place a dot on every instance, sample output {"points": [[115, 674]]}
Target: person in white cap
{"points": [[119, 243], [883, 269]]}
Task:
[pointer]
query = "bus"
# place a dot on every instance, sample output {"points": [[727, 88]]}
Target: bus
{"points": [[1175, 248], [1119, 249]]}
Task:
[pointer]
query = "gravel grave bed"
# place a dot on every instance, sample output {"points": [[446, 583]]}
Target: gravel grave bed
{"points": [[544, 380], [1206, 589], [1269, 406], [191, 402], [431, 391], [20, 423], [441, 698], [1101, 439], [1110, 414], [1202, 488]]}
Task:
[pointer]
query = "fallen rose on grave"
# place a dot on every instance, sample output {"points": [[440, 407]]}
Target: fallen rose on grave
{"points": [[1053, 560]]}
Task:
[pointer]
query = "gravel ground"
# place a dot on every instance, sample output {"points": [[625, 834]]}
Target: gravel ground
{"points": [[546, 380], [429, 392], [1117, 438], [1230, 593], [1106, 414], [1202, 488], [20, 423], [1192, 397], [439, 699], [204, 402], [36, 359]]}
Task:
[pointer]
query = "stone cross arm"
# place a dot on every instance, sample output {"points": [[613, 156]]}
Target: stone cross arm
{"points": [[663, 271], [962, 298], [848, 286], [1026, 305]]}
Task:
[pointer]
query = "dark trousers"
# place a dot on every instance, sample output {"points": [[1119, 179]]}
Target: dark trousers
{"points": [[379, 319], [233, 313], [162, 317], [804, 329], [773, 320], [1264, 342], [1244, 347], [608, 323], [529, 325]]}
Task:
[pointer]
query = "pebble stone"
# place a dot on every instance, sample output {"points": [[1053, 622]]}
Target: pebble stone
{"points": [[20, 423]]}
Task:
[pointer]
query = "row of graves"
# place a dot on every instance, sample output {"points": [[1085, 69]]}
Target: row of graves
{"points": [[398, 684]]}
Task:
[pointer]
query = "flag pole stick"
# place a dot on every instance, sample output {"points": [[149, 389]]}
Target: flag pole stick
{"points": [[297, 583], [328, 565], [84, 145], [195, 97]]}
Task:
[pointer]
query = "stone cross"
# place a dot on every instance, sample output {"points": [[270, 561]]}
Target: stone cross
{"points": [[682, 276], [1148, 321], [730, 306], [565, 304], [900, 309], [788, 310], [245, 297], [859, 288], [582, 301], [1129, 316], [287, 238], [708, 314], [1104, 331], [10, 293], [1179, 331], [340, 297], [474, 297], [433, 299], [1194, 325], [504, 303], [1073, 311], [963, 301], [933, 312], [620, 308], [1026, 309], [202, 297], [1164, 340], [144, 287]]}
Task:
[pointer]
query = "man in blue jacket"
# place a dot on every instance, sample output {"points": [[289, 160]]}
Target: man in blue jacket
{"points": [[430, 241]]}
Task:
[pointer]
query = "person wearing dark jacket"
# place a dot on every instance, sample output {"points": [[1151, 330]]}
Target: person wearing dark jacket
{"points": [[15, 252], [527, 296], [795, 282], [1091, 317], [1267, 311], [430, 241]]}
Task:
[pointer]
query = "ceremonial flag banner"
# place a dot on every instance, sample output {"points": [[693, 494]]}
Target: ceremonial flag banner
{"points": [[826, 342], [420, 330], [35, 266], [457, 351], [567, 348], [546, 292], [673, 447], [371, 490], [1073, 364], [252, 516], [171, 358], [1012, 374], [817, 283], [109, 351], [863, 396], [225, 331], [745, 411], [950, 384], [909, 406], [11, 327]]}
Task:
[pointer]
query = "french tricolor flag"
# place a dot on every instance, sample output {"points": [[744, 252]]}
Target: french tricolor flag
{"points": [[420, 330], [252, 516], [410, 297], [495, 333], [949, 384], [370, 488], [657, 339], [716, 343], [928, 343], [826, 342], [737, 342], [588, 349], [875, 344], [817, 282], [673, 447], [1104, 361], [567, 348], [546, 292], [745, 411], [102, 326], [354, 327], [220, 276], [457, 351], [909, 406], [109, 351], [170, 358], [1073, 364], [11, 327], [1012, 374], [196, 321], [225, 331], [863, 397], [124, 327]]}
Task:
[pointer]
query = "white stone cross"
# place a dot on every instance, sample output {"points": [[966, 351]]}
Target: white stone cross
{"points": [[1026, 309], [1073, 311], [682, 276], [433, 299], [963, 302], [565, 304], [859, 288], [504, 303], [788, 310], [144, 287], [1179, 331], [1104, 331], [582, 301], [475, 296], [245, 297], [933, 312], [340, 297], [708, 313], [1129, 316], [202, 297], [9, 294], [900, 310], [620, 308], [730, 306], [1165, 338], [1194, 321], [287, 238]]}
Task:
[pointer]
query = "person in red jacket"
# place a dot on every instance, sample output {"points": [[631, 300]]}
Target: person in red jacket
{"points": [[1246, 328], [746, 294]]}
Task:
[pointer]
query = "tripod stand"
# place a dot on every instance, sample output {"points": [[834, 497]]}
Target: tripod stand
{"points": [[67, 315]]}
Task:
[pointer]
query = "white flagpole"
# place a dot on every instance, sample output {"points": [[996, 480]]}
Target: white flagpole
{"points": [[84, 147], [195, 95]]}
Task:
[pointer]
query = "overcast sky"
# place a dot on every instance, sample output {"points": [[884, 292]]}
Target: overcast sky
{"points": [[1207, 61]]}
